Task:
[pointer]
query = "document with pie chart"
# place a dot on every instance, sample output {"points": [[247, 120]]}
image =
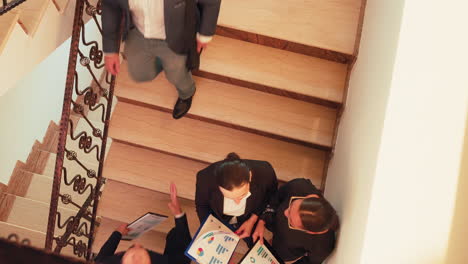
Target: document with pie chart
{"points": [[214, 243], [261, 254]]}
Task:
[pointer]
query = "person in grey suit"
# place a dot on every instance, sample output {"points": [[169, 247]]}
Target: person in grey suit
{"points": [[160, 35]]}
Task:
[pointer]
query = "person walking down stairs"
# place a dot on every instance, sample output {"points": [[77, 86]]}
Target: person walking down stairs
{"points": [[177, 240], [160, 35]]}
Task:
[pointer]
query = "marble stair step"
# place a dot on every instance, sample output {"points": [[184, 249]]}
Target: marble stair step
{"points": [[274, 70], [329, 25], [238, 107], [208, 143]]}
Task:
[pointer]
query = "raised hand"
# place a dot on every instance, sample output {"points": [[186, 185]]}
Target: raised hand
{"points": [[174, 205]]}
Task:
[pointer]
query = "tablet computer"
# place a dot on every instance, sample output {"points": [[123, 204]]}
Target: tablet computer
{"points": [[144, 223]]}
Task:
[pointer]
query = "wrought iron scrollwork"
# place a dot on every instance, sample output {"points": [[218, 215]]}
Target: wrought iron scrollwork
{"points": [[81, 148], [7, 5], [15, 238]]}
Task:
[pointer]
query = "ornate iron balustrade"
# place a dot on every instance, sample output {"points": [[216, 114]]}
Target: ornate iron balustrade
{"points": [[16, 239], [82, 142], [8, 5]]}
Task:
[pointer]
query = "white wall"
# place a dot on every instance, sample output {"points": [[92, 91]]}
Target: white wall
{"points": [[457, 253], [23, 52], [352, 170], [414, 191], [28, 107], [394, 183]]}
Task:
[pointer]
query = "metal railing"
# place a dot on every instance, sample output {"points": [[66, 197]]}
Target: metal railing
{"points": [[82, 142], [7, 5]]}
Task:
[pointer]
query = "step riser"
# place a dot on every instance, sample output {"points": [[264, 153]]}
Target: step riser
{"points": [[37, 239], [152, 170], [40, 189], [230, 125], [274, 69], [244, 109], [116, 204], [266, 89], [211, 143], [32, 214], [284, 45]]}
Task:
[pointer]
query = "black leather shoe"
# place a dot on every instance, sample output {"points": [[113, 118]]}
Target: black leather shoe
{"points": [[181, 107]]}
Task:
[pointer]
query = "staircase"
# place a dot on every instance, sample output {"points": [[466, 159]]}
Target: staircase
{"points": [[271, 86], [29, 33], [260, 93]]}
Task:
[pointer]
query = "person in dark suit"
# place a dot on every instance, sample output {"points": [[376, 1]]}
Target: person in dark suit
{"points": [[177, 240], [236, 191], [160, 35], [303, 223]]}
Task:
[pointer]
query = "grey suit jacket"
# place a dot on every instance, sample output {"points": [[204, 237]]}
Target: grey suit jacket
{"points": [[113, 11]]}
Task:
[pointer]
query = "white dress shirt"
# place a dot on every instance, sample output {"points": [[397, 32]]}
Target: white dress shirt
{"points": [[148, 17], [234, 209]]}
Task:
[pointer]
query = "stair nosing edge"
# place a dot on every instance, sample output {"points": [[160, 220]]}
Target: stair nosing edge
{"points": [[230, 125]]}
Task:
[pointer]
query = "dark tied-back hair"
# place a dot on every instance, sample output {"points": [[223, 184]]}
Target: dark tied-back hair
{"points": [[318, 215], [232, 172]]}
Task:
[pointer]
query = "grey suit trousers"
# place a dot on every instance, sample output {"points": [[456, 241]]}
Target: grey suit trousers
{"points": [[148, 57]]}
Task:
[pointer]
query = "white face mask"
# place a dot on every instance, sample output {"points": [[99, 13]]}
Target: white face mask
{"points": [[235, 209]]}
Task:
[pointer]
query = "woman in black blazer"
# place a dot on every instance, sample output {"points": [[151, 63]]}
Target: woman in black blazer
{"points": [[303, 222], [236, 191]]}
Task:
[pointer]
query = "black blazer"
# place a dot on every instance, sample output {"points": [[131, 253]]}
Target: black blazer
{"points": [[291, 244], [209, 199], [182, 19], [177, 241]]}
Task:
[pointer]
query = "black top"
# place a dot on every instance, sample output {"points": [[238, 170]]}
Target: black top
{"points": [[292, 244], [177, 241], [209, 199]]}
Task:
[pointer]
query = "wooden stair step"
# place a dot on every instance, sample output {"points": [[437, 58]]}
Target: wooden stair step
{"points": [[73, 145], [29, 213], [152, 240], [84, 126], [31, 14], [235, 106], [275, 70], [151, 169], [209, 143], [330, 25], [96, 116], [36, 238], [40, 189], [72, 166], [7, 24], [124, 202]]}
